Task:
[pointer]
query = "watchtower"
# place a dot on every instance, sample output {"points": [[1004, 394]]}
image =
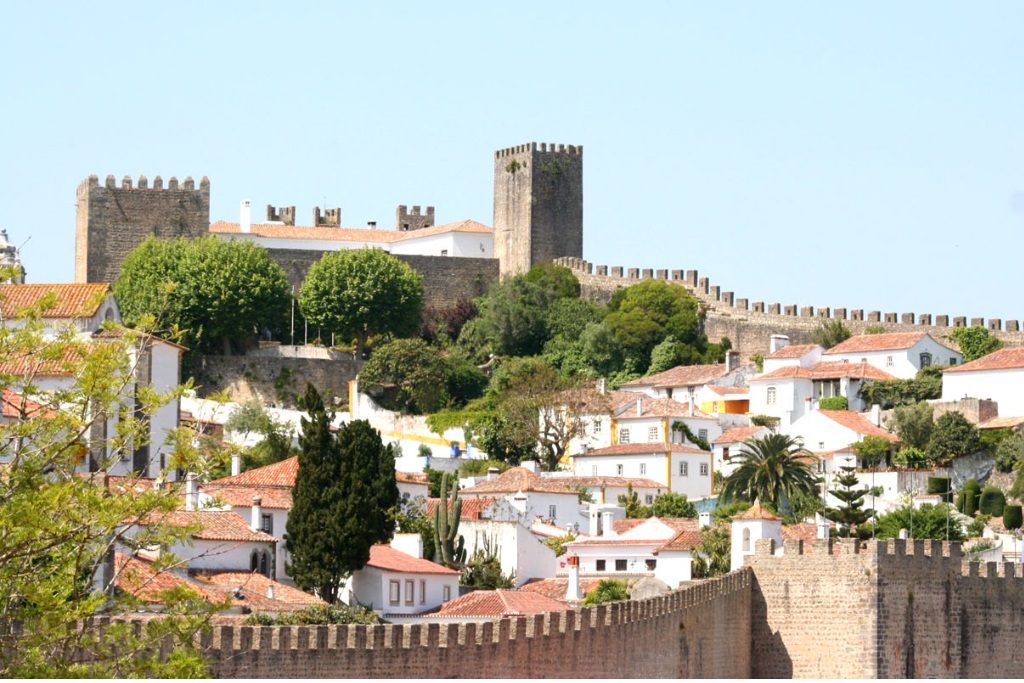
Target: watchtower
{"points": [[538, 205], [110, 221]]}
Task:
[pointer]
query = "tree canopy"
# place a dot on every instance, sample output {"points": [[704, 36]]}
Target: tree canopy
{"points": [[974, 341], [645, 314], [772, 469], [362, 292]]}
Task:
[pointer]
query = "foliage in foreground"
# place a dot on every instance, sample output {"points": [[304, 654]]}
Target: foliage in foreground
{"points": [[315, 614], [608, 590]]}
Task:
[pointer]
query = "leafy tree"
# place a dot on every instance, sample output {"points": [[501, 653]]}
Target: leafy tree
{"points": [[60, 523], [608, 590], [758, 360], [252, 418], [362, 292], [442, 325], [872, 450], [1012, 517], [1010, 452], [343, 500], [630, 500], [891, 393], [567, 317], [213, 291], [713, 556], [771, 469], [930, 521], [967, 502], [851, 514], [645, 314], [406, 375], [830, 333], [911, 457], [464, 381], [974, 342], [913, 424], [673, 505], [834, 403], [952, 437], [802, 505], [666, 355], [724, 512], [557, 543]]}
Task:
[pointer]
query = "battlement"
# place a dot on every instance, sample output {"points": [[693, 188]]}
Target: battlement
{"points": [[281, 214], [544, 147], [406, 220], [902, 548], [187, 185], [330, 218]]}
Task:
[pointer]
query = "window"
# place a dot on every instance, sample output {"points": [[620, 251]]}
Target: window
{"points": [[714, 408], [593, 470], [254, 560], [394, 592], [620, 565], [771, 396], [267, 523], [618, 470], [821, 445], [746, 540], [702, 434], [643, 469], [926, 360], [651, 564], [410, 590], [552, 512], [652, 434], [863, 360], [952, 360], [648, 499], [265, 567], [444, 252], [725, 454], [684, 468], [888, 361], [423, 592], [597, 427], [446, 594], [703, 469], [623, 435], [599, 565]]}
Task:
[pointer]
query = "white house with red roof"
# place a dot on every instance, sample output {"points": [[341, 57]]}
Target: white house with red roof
{"points": [[681, 468], [900, 354], [532, 496], [729, 443], [998, 376], [748, 528], [488, 605], [832, 430], [81, 307], [398, 583], [684, 382]]}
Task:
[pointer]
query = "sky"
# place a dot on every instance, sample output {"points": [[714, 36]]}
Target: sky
{"points": [[860, 155]]}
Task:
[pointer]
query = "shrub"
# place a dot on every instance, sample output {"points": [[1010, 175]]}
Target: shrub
{"points": [[834, 403], [315, 614], [1009, 452], [977, 526], [992, 501], [609, 590], [1012, 517], [938, 485], [952, 437], [911, 458], [967, 503]]}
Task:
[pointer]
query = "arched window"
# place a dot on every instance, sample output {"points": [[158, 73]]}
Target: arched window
{"points": [[265, 563], [254, 560], [746, 540], [926, 360]]}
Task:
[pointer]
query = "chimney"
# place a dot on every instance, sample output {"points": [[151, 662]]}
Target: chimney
{"points": [[602, 386], [270, 591], [876, 415], [254, 523], [191, 492], [245, 220], [236, 464], [639, 406], [572, 593], [777, 342], [704, 519], [531, 465], [732, 360], [372, 224], [607, 523], [492, 472]]}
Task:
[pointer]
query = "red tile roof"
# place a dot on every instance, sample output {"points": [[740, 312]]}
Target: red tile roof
{"points": [[827, 370], [271, 497], [738, 434], [556, 588], [214, 525], [499, 603], [681, 376], [877, 342], [350, 234], [808, 533], [278, 474], [251, 589], [687, 539], [15, 405], [656, 407], [521, 479], [596, 482], [677, 526], [76, 300], [1003, 422], [138, 576], [411, 478], [793, 351], [728, 391], [757, 512], [642, 449], [49, 361], [858, 423], [1003, 359], [387, 558], [472, 508]]}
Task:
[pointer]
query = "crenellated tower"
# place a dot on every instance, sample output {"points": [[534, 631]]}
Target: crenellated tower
{"points": [[538, 205]]}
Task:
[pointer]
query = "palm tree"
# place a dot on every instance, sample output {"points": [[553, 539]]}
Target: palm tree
{"points": [[772, 470]]}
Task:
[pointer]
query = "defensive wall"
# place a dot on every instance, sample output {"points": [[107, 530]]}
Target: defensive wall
{"points": [[749, 324]]}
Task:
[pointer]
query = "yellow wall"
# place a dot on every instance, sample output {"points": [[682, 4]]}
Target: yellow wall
{"points": [[730, 407]]}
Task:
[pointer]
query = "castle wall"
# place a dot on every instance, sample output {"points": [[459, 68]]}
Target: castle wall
{"points": [[110, 221], [276, 380], [696, 632]]}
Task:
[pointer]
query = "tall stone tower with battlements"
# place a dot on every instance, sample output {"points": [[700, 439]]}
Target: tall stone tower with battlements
{"points": [[110, 221], [538, 205]]}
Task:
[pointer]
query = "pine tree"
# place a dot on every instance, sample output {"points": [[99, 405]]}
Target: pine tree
{"points": [[850, 515]]}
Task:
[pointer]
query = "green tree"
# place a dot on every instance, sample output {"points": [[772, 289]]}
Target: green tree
{"points": [[213, 291], [673, 505], [872, 450], [406, 375], [252, 418], [952, 437], [630, 500], [974, 342], [830, 333], [645, 314], [713, 556], [913, 424], [1010, 452], [344, 500], [851, 514], [891, 393], [771, 469], [930, 521], [608, 590], [911, 457], [362, 292]]}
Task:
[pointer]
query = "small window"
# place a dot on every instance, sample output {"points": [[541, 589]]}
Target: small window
{"points": [[888, 361], [746, 540], [648, 499], [684, 468], [952, 360], [771, 396], [703, 469], [599, 565], [410, 591], [423, 592], [446, 594], [643, 469], [702, 434], [651, 564], [821, 445], [620, 565], [597, 427], [863, 360], [623, 436], [618, 470], [254, 560], [725, 454], [394, 592], [652, 434], [552, 512], [714, 408], [593, 470], [444, 252], [267, 523]]}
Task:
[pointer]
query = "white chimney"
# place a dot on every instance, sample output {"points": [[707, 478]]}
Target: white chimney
{"points": [[602, 386], [191, 492], [531, 465], [572, 593], [245, 219], [236, 464], [876, 415], [270, 591], [704, 519], [639, 406], [492, 472], [607, 523], [777, 342], [254, 523], [410, 544]]}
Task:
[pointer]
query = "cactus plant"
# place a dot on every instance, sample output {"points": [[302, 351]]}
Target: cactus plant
{"points": [[449, 546]]}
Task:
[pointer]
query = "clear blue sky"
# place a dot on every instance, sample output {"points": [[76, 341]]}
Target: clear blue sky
{"points": [[866, 155]]}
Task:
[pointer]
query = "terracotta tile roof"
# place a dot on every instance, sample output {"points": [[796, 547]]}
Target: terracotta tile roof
{"points": [[556, 588], [827, 370], [375, 235], [278, 474], [14, 405], [472, 508], [621, 526], [138, 576], [521, 479], [808, 533], [728, 391], [592, 401], [793, 351], [119, 332], [629, 532], [1009, 421], [46, 362], [858, 423], [76, 300], [595, 482], [738, 434], [499, 603], [387, 558], [251, 589], [214, 525], [757, 512], [687, 539], [1003, 359], [681, 376], [877, 342], [656, 407], [641, 449], [271, 497]]}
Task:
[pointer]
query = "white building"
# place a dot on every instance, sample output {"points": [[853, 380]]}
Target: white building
{"points": [[999, 376], [685, 382], [730, 442], [683, 469], [900, 354], [749, 527], [400, 583], [520, 552], [833, 430], [532, 496]]}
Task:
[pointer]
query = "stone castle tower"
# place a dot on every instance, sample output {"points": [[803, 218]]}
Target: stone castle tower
{"points": [[110, 221], [538, 205]]}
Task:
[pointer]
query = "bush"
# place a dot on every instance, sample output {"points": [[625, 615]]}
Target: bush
{"points": [[977, 526], [992, 501], [967, 503], [953, 436], [911, 458], [1012, 518], [938, 485], [834, 403], [315, 614], [1010, 452], [609, 590]]}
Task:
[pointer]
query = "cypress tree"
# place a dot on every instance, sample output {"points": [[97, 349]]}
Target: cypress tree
{"points": [[850, 515]]}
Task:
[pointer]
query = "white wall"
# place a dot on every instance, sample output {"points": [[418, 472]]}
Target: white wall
{"points": [[674, 567], [693, 484], [519, 551], [371, 586], [1006, 387], [165, 366], [903, 363], [647, 465], [535, 504], [221, 555], [790, 398]]}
